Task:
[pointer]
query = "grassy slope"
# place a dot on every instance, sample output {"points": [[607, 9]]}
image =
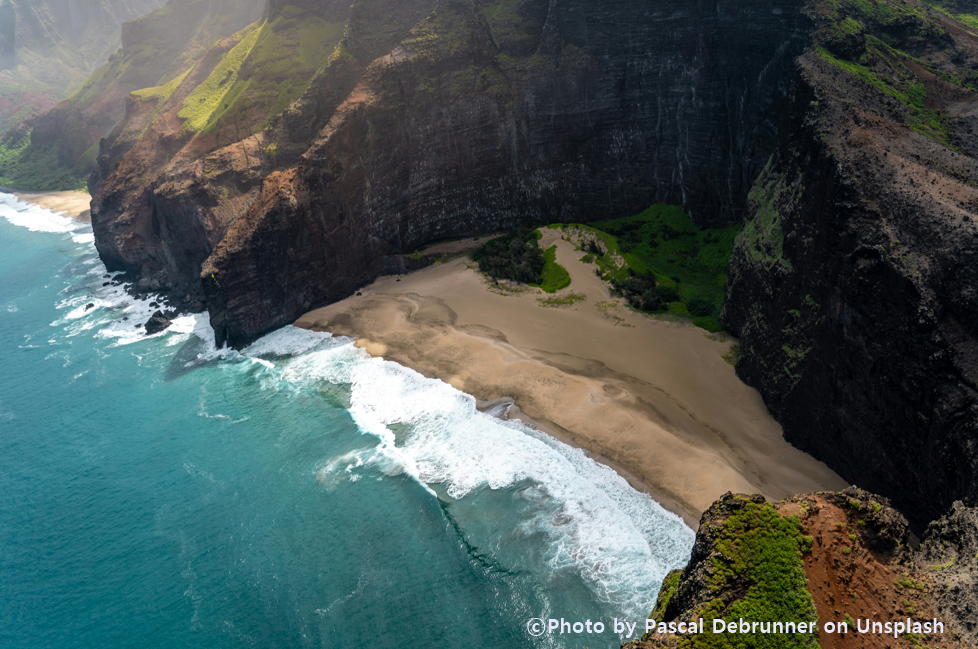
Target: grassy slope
{"points": [[172, 39], [756, 545], [265, 72], [887, 68]]}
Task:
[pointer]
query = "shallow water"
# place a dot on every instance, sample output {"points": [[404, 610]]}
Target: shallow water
{"points": [[156, 491]]}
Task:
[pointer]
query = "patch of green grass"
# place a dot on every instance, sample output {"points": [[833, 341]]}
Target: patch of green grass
{"points": [[663, 246], [202, 105], [758, 549], [554, 276], [269, 68], [161, 93], [909, 583], [558, 301]]}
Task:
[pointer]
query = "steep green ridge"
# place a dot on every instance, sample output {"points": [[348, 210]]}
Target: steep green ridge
{"points": [[57, 149], [266, 71], [47, 48], [864, 38], [165, 44]]}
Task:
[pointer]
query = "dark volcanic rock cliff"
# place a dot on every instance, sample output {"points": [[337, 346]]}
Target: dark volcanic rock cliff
{"points": [[491, 114], [853, 283]]}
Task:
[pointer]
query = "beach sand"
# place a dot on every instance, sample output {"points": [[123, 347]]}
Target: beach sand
{"points": [[654, 400], [75, 204]]}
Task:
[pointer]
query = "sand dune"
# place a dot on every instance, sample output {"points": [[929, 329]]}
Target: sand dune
{"points": [[653, 399]]}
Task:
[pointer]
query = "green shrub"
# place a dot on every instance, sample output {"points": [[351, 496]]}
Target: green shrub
{"points": [[515, 256], [700, 307], [666, 294], [664, 243]]}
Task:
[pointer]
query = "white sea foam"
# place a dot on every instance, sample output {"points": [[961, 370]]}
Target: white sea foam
{"points": [[620, 541], [37, 219]]}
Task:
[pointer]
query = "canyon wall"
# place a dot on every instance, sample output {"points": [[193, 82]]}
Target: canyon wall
{"points": [[853, 283], [480, 115], [842, 132]]}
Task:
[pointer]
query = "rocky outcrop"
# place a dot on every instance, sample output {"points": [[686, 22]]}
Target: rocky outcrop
{"points": [[830, 557], [157, 323], [853, 284], [949, 554]]}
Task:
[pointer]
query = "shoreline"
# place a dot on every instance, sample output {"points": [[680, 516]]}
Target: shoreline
{"points": [[74, 204], [654, 400]]}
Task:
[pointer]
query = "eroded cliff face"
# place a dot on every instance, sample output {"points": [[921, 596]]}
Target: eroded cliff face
{"points": [[473, 116], [853, 283]]}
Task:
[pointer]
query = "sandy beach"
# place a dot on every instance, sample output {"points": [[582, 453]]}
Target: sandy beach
{"points": [[75, 204], [655, 400]]}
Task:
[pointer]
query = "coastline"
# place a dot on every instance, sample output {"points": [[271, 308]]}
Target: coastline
{"points": [[73, 203], [653, 400]]}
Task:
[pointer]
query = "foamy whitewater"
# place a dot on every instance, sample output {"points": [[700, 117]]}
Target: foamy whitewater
{"points": [[349, 500]]}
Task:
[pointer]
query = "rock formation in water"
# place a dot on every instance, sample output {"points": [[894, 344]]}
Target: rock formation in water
{"points": [[830, 557], [854, 284]]}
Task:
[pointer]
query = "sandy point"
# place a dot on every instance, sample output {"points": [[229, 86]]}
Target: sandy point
{"points": [[654, 400], [74, 203]]}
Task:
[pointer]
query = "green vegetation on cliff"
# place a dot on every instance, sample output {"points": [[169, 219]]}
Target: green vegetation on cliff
{"points": [[757, 549], [36, 168], [871, 40], [269, 68]]}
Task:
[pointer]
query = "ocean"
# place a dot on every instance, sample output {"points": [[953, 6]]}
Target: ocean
{"points": [[158, 492]]}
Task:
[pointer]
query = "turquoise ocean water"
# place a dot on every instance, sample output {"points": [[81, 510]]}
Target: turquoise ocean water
{"points": [[158, 492]]}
